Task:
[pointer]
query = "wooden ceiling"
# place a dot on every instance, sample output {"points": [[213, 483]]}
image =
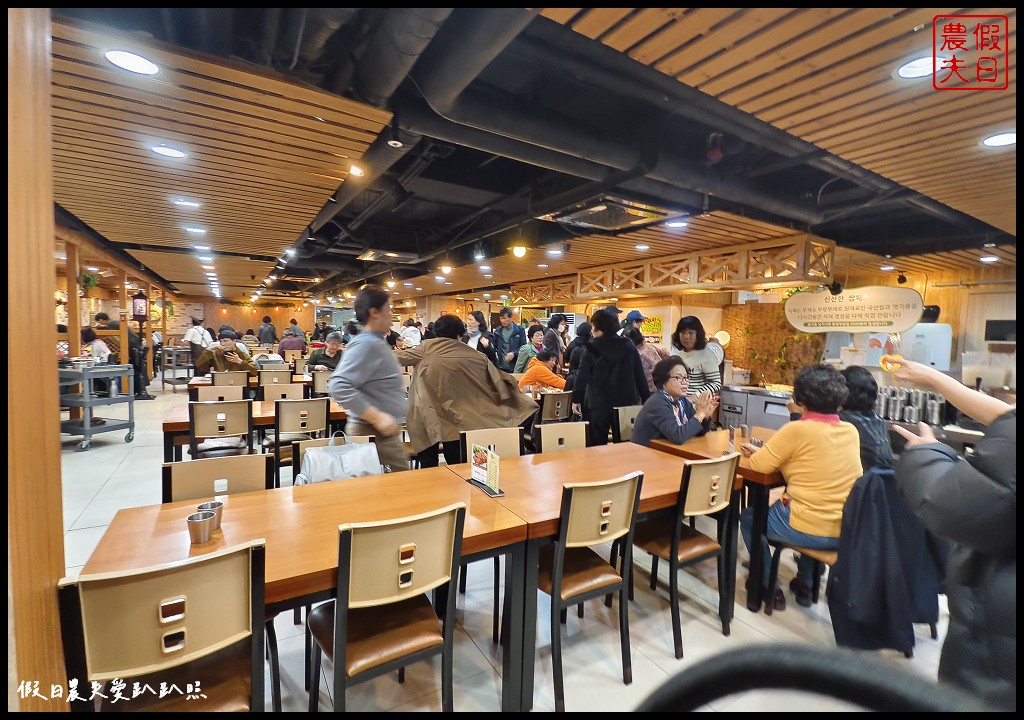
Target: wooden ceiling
{"points": [[826, 76], [263, 154]]}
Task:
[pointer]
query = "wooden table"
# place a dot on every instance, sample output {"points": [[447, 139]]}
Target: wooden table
{"points": [[758, 484], [207, 381], [533, 490], [300, 526], [175, 425]]}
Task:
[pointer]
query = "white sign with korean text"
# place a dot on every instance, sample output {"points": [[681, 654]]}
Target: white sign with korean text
{"points": [[868, 309]]}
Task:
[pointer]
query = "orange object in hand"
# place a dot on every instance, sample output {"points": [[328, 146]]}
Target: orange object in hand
{"points": [[891, 363]]}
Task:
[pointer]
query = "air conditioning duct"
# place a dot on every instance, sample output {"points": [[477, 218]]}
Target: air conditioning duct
{"points": [[389, 256], [606, 212]]}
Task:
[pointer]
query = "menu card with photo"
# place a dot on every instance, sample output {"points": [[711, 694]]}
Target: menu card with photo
{"points": [[484, 463]]}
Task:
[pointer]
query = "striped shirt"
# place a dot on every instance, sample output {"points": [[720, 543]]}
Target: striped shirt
{"points": [[702, 368]]}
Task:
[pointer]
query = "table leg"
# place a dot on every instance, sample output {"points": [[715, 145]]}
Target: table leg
{"points": [[168, 447], [512, 630], [759, 526], [529, 621], [730, 547]]}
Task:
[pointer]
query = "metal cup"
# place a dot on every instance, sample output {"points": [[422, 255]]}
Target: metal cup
{"points": [[910, 414], [216, 507], [200, 526]]}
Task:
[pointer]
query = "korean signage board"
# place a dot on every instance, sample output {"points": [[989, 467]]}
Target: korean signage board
{"points": [[868, 309]]}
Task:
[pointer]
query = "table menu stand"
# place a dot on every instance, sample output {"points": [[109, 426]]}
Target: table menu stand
{"points": [[88, 399]]}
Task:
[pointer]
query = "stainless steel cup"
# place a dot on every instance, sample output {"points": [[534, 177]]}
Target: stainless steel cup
{"points": [[200, 526], [910, 414], [217, 508]]}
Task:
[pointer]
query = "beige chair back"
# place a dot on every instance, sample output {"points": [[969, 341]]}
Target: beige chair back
{"points": [[707, 484], [144, 621], [624, 420], [292, 355], [209, 393], [231, 377], [300, 365], [320, 381], [555, 406], [291, 391], [206, 479], [276, 366], [602, 511], [563, 436], [230, 418], [276, 377], [302, 416], [507, 442], [406, 381], [299, 447], [394, 560]]}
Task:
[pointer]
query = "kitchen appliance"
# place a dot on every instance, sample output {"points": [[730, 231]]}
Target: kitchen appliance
{"points": [[928, 343], [767, 408], [732, 408]]}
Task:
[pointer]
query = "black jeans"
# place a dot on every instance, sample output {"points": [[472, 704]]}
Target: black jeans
{"points": [[431, 456]]}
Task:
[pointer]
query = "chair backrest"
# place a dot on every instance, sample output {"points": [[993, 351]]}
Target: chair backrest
{"points": [[230, 418], [507, 442], [555, 406], [299, 447], [320, 379], [231, 377], [137, 622], [599, 512], [207, 393], [291, 391], [276, 377], [707, 485], [406, 381], [623, 421], [276, 366], [195, 479], [302, 416], [393, 560], [292, 355], [563, 436], [300, 365]]}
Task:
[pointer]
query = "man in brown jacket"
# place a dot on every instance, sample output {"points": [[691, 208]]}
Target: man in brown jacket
{"points": [[225, 356], [456, 388]]}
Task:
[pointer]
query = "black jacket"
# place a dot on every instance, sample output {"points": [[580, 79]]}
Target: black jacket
{"points": [[610, 375], [973, 504], [501, 347]]}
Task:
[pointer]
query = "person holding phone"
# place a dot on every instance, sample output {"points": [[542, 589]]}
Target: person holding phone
{"points": [[225, 356]]}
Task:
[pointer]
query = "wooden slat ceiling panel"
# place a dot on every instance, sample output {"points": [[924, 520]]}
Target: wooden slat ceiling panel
{"points": [[825, 75], [964, 261], [261, 150]]}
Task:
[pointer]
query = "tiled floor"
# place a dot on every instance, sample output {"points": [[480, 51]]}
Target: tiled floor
{"points": [[114, 475]]}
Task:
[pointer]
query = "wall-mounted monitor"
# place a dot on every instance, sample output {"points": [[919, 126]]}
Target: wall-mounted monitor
{"points": [[1000, 331]]}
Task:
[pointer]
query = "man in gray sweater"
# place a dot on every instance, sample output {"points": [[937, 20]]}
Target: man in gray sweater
{"points": [[368, 381]]}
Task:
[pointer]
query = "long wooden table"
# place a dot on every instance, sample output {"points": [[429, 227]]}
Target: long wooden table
{"points": [[757, 483], [206, 381], [175, 425], [300, 526], [533, 490]]}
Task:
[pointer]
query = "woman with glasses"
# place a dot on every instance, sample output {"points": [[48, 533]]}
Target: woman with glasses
{"points": [[702, 363], [667, 414]]}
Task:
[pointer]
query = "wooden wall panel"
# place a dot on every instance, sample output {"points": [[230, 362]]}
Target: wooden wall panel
{"points": [[34, 515], [243, 317]]}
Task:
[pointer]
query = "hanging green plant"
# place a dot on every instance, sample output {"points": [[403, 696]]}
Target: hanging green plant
{"points": [[88, 281]]}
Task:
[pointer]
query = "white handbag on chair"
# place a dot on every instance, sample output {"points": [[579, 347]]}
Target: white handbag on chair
{"points": [[337, 462]]}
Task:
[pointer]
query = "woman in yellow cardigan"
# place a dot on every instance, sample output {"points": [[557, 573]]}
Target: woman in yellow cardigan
{"points": [[540, 373]]}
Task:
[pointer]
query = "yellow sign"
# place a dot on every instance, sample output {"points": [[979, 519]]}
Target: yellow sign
{"points": [[653, 326]]}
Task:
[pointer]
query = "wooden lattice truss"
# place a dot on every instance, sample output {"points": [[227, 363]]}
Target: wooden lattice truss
{"points": [[783, 261]]}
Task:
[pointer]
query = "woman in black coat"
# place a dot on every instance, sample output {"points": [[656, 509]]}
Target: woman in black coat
{"points": [[610, 376]]}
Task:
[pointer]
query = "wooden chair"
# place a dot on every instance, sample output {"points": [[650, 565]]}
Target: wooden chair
{"points": [[382, 619], [279, 376], [198, 619], [291, 356], [821, 559], [195, 479], [276, 366], [507, 442], [705, 489], [555, 407], [299, 368], [563, 436], [220, 428], [623, 421], [211, 393], [295, 420], [291, 391], [320, 379], [571, 572], [231, 377]]}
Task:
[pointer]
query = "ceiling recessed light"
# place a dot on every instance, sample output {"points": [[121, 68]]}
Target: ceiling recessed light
{"points": [[204, 258], [487, 295], [887, 268], [676, 223], [988, 259], [446, 269], [93, 269], [271, 277], [918, 67], [519, 251], [186, 203], [169, 151], [356, 171], [201, 247], [195, 230], [485, 268], [131, 62], [209, 267], [488, 276], [504, 297], [641, 246], [447, 283], [439, 278], [407, 284], [419, 288], [542, 265], [1000, 140], [289, 252], [988, 245], [555, 252]]}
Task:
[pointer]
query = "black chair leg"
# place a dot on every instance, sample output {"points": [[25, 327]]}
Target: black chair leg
{"points": [[773, 582], [819, 570], [462, 578], [313, 678], [496, 617], [297, 616], [935, 631], [275, 665], [401, 675]]}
